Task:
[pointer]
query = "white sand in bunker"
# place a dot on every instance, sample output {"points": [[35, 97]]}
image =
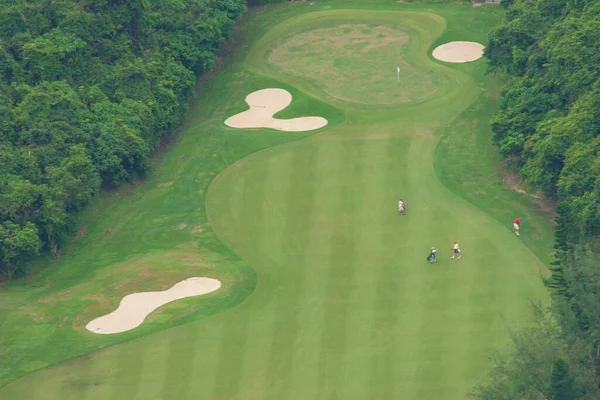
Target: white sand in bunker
{"points": [[263, 105], [134, 308], [458, 52]]}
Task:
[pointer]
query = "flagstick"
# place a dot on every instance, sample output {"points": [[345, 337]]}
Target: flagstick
{"points": [[398, 74]]}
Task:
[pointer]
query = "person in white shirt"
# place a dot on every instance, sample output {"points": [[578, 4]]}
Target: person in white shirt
{"points": [[401, 207], [431, 257]]}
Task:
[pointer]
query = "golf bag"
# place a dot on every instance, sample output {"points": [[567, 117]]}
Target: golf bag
{"points": [[431, 257]]}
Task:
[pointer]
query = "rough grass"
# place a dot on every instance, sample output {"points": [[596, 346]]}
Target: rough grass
{"points": [[58, 314], [467, 142]]}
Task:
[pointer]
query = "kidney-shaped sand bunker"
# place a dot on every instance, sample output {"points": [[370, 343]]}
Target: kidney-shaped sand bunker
{"points": [[458, 52], [266, 103], [134, 308]]}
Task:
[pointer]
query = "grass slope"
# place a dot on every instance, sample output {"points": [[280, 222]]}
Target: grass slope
{"points": [[343, 304]]}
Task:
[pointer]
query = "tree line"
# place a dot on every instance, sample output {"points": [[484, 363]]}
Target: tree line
{"points": [[550, 122], [87, 89]]}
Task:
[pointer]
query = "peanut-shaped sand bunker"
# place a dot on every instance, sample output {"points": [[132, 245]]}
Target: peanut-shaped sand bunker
{"points": [[263, 105], [134, 308], [458, 52]]}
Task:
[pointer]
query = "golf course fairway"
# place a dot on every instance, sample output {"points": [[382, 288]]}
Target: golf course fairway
{"points": [[326, 292]]}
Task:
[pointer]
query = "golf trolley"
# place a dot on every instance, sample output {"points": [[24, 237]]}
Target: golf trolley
{"points": [[431, 258]]}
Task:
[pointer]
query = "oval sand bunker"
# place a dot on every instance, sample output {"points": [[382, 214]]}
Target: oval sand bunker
{"points": [[134, 308], [458, 52], [263, 105]]}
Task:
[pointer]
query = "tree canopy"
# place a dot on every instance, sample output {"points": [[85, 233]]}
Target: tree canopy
{"points": [[87, 89], [550, 121], [550, 109]]}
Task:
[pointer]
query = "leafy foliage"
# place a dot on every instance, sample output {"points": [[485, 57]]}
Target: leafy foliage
{"points": [[550, 120], [561, 383], [559, 357], [87, 88], [16, 242], [550, 115]]}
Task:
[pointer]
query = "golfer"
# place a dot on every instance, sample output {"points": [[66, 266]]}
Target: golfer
{"points": [[517, 225], [431, 257], [455, 250], [401, 207]]}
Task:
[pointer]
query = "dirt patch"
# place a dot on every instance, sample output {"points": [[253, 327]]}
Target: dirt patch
{"points": [[190, 259], [514, 181], [123, 189], [35, 316], [356, 63], [125, 276], [547, 206], [152, 273], [163, 143], [385, 41], [82, 230]]}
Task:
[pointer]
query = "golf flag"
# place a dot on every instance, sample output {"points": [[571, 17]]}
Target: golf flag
{"points": [[398, 69], [398, 74]]}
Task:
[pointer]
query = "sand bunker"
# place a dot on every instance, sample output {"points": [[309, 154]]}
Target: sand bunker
{"points": [[458, 52], [135, 307], [263, 105]]}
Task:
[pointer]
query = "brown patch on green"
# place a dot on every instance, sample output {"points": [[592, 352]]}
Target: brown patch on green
{"points": [[126, 188], [35, 316], [154, 273], [355, 63], [162, 146], [82, 229], [142, 271], [512, 179], [190, 259]]}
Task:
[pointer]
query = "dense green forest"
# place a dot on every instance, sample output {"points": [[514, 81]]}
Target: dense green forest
{"points": [[87, 89], [550, 115], [550, 123]]}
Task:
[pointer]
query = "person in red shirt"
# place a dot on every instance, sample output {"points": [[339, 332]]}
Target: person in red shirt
{"points": [[517, 225]]}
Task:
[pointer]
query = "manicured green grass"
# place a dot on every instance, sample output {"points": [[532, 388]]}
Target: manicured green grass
{"points": [[327, 292], [356, 62]]}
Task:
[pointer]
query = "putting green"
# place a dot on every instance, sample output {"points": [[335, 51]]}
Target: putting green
{"points": [[345, 307], [357, 63]]}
